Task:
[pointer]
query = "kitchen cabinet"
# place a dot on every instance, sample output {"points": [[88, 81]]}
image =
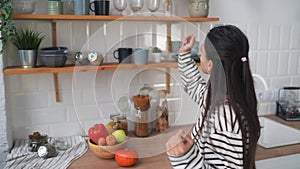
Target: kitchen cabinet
{"points": [[105, 66]]}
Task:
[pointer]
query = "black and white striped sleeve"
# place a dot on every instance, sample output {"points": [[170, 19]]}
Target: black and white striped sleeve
{"points": [[191, 160], [193, 83]]}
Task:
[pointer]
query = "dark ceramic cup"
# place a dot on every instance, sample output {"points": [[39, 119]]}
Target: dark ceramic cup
{"points": [[100, 7], [123, 55]]}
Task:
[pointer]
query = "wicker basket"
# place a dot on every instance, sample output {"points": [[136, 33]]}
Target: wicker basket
{"points": [[106, 152]]}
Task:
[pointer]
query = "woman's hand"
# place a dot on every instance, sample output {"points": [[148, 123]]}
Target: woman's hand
{"points": [[187, 44], [179, 144]]}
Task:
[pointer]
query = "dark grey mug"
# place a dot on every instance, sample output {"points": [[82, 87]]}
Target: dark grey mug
{"points": [[123, 55], [100, 7]]}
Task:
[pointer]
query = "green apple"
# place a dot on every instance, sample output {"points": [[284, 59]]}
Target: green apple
{"points": [[120, 135]]}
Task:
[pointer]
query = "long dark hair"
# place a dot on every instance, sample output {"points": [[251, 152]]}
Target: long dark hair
{"points": [[231, 79]]}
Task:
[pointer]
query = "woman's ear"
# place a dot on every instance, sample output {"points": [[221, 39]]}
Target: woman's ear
{"points": [[210, 65]]}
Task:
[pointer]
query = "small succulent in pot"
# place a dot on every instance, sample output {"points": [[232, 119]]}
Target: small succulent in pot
{"points": [[156, 52], [27, 41]]}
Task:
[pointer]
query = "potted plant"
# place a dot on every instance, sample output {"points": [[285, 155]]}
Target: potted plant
{"points": [[156, 54], [7, 27], [27, 41]]}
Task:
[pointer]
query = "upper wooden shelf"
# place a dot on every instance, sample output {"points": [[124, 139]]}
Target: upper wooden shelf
{"points": [[111, 18]]}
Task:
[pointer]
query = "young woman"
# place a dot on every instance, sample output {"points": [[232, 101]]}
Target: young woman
{"points": [[226, 132]]}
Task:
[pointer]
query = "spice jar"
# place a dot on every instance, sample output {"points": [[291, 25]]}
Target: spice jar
{"points": [[47, 151], [120, 123]]}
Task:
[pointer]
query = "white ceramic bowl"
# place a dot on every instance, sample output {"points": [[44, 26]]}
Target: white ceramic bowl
{"points": [[24, 6]]}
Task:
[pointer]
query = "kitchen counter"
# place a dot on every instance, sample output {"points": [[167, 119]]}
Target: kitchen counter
{"points": [[263, 153], [155, 156]]}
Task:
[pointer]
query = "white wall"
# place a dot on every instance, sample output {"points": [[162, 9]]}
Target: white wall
{"points": [[90, 97]]}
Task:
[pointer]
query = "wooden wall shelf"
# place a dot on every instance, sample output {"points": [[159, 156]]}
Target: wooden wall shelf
{"points": [[107, 66], [111, 18], [72, 68]]}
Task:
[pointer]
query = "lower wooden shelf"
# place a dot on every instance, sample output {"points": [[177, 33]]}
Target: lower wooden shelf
{"points": [[74, 68]]}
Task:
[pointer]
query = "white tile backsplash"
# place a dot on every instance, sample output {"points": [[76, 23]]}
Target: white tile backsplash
{"points": [[295, 42], [273, 63], [262, 63], [283, 63], [280, 81], [253, 36], [295, 80], [293, 62], [274, 37], [65, 31], [285, 36], [48, 115], [67, 129], [263, 36], [90, 97]]}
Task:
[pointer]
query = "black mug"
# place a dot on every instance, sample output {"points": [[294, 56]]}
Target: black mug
{"points": [[101, 7], [123, 55]]}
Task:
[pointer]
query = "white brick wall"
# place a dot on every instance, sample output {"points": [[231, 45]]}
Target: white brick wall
{"points": [[90, 97], [5, 130]]}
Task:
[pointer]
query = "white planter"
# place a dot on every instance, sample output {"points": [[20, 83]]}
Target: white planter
{"points": [[156, 57]]}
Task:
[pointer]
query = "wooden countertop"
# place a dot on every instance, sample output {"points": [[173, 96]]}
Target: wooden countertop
{"points": [[155, 156]]}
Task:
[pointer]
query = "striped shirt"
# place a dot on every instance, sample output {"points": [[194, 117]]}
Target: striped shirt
{"points": [[219, 145]]}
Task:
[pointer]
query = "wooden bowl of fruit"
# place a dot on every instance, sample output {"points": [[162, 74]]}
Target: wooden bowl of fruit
{"points": [[106, 151]]}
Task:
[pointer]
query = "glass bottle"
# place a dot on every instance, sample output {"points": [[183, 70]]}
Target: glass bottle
{"points": [[168, 8]]}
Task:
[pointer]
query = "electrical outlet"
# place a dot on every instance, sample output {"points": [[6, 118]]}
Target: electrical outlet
{"points": [[267, 95]]}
